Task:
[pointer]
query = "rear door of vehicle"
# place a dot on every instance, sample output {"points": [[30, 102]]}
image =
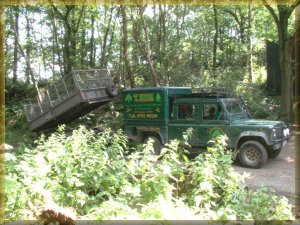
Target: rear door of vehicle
{"points": [[184, 116], [212, 123]]}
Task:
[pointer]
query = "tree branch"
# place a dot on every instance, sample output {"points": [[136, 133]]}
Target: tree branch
{"points": [[272, 11], [293, 6], [80, 17], [234, 16], [60, 15]]}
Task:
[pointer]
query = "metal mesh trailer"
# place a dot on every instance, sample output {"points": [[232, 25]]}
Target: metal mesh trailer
{"points": [[69, 98]]}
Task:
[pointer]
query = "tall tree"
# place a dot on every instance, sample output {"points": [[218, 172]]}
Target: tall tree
{"points": [[55, 42], [92, 43], [28, 48], [125, 47], [215, 40], [15, 68], [249, 44], [105, 43], [71, 24], [26, 56], [164, 59], [148, 47], [281, 20]]}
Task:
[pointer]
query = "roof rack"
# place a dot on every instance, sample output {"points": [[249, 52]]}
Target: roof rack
{"points": [[218, 92]]}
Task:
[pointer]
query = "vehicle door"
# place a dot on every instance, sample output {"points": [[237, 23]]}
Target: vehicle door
{"points": [[184, 116], [212, 121]]}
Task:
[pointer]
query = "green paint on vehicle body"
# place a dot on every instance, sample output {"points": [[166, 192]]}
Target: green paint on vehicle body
{"points": [[167, 112]]}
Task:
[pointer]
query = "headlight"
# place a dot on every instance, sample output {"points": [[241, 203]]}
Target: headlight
{"points": [[273, 135], [286, 132]]}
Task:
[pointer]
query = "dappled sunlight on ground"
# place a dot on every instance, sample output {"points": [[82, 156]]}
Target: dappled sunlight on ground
{"points": [[277, 174], [289, 159]]}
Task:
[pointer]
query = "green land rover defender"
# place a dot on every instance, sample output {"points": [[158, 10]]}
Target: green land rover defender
{"points": [[164, 113]]}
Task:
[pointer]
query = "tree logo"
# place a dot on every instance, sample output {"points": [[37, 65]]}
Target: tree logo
{"points": [[215, 132], [128, 98], [158, 97]]}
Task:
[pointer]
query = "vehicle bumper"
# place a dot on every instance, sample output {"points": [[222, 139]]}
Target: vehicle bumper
{"points": [[283, 142], [280, 144]]}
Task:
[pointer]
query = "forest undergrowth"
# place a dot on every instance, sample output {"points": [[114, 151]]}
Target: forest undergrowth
{"points": [[97, 176]]}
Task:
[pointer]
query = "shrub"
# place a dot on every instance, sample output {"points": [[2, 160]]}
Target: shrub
{"points": [[267, 108], [95, 175]]}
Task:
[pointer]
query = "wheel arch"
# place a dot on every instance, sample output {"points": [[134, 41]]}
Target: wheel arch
{"points": [[252, 137], [146, 134]]}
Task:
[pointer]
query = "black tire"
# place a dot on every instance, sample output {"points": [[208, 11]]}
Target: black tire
{"points": [[112, 90], [273, 154], [253, 154], [156, 144]]}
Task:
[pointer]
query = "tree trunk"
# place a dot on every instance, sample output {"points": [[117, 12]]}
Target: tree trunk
{"points": [[27, 60], [285, 73], [83, 51], [92, 44], [125, 47], [15, 69], [215, 41], [249, 45], [66, 50], [112, 35], [104, 43], [28, 50], [177, 22], [71, 26], [281, 21], [56, 45], [148, 47], [165, 66]]}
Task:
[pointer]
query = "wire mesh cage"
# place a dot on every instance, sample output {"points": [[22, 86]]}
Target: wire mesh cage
{"points": [[60, 90]]}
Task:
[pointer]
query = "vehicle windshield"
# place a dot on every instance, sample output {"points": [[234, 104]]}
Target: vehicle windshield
{"points": [[235, 107]]}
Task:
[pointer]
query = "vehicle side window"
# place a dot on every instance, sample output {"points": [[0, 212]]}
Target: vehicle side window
{"points": [[187, 111], [212, 112]]}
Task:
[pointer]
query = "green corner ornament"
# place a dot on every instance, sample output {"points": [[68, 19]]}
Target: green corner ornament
{"points": [[128, 98], [158, 97]]}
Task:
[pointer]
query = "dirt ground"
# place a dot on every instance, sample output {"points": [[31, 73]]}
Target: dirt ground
{"points": [[277, 174]]}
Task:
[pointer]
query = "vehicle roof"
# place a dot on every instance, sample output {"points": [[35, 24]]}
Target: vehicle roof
{"points": [[157, 88], [204, 96]]}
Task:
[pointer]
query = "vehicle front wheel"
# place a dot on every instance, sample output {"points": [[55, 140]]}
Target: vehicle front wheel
{"points": [[252, 154], [156, 144]]}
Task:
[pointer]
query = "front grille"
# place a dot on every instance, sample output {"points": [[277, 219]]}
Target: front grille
{"points": [[279, 133]]}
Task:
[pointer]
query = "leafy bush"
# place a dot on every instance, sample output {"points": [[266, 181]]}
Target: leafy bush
{"points": [[266, 108], [16, 128], [94, 175]]}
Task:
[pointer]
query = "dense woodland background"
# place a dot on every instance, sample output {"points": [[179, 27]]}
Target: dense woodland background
{"points": [[197, 46]]}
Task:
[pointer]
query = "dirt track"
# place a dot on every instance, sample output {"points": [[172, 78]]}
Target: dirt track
{"points": [[277, 174]]}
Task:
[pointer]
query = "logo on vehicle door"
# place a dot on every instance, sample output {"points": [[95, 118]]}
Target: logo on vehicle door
{"points": [[215, 132]]}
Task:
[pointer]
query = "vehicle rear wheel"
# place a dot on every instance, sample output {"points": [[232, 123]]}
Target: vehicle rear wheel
{"points": [[156, 144], [273, 154], [252, 154]]}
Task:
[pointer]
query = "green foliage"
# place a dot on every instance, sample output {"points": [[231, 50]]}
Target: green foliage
{"points": [[16, 128], [179, 48], [209, 176], [95, 175], [267, 108], [107, 116]]}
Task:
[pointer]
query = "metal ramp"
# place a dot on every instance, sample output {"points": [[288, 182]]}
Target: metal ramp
{"points": [[67, 99]]}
